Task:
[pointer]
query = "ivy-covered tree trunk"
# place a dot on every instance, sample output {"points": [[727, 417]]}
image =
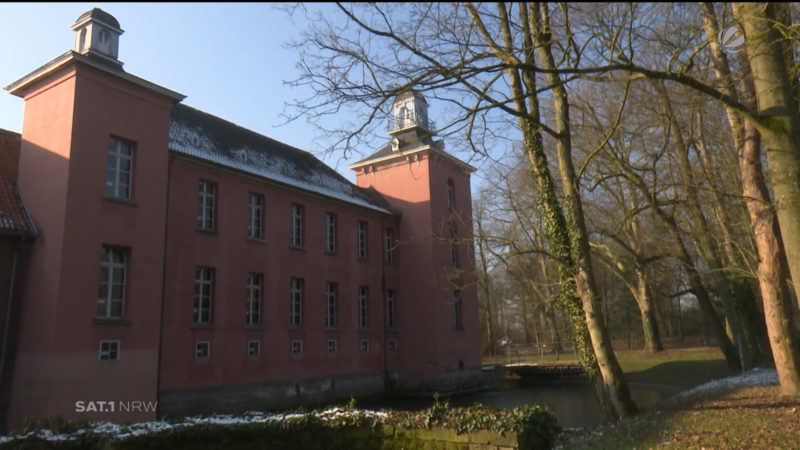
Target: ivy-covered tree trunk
{"points": [[575, 226]]}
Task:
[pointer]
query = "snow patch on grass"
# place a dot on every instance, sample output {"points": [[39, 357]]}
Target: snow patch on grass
{"points": [[142, 428], [755, 377]]}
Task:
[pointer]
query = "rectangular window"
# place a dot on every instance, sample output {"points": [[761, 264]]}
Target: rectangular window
{"points": [[202, 350], [111, 291], [253, 315], [451, 195], [390, 322], [453, 253], [389, 246], [253, 348], [331, 346], [203, 291], [297, 225], [363, 293], [362, 240], [297, 347], [296, 303], [457, 309], [119, 169], [206, 194], [254, 216], [330, 233], [109, 350], [364, 344], [392, 345], [330, 305]]}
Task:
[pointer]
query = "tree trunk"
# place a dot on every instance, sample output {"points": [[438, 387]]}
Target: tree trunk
{"points": [[652, 339], [611, 373], [772, 270], [781, 136]]}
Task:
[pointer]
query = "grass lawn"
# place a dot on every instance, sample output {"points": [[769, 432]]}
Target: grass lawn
{"points": [[745, 418]]}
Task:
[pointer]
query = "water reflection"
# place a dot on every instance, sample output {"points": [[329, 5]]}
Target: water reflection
{"points": [[571, 399]]}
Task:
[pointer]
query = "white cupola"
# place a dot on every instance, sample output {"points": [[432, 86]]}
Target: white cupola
{"points": [[97, 33], [410, 110]]}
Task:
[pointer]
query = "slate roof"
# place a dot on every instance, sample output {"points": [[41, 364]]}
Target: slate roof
{"points": [[206, 137], [14, 219], [434, 146]]}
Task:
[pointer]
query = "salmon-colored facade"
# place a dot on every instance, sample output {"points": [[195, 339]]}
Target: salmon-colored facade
{"points": [[184, 264]]}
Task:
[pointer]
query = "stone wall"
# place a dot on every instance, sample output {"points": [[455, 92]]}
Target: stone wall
{"points": [[269, 396]]}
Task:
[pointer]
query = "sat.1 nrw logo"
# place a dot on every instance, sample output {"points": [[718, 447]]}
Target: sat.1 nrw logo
{"points": [[730, 39]]}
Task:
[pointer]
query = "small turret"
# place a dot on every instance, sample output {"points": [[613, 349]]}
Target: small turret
{"points": [[97, 33]]}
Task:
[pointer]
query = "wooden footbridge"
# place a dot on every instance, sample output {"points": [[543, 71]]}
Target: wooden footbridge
{"points": [[544, 369]]}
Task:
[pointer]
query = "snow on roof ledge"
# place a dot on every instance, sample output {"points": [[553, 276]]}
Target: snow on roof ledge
{"points": [[212, 139]]}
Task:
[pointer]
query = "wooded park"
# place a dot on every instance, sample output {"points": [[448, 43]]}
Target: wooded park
{"points": [[640, 164]]}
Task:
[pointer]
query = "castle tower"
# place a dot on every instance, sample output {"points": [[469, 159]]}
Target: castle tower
{"points": [[93, 173], [432, 282]]}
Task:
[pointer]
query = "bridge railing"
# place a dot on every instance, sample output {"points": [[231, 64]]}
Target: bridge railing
{"points": [[533, 353]]}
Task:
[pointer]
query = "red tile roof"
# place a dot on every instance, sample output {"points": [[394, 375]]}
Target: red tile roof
{"points": [[14, 219]]}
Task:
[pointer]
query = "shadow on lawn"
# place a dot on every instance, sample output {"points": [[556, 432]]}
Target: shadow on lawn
{"points": [[682, 374]]}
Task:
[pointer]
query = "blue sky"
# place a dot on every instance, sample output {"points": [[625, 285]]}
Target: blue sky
{"points": [[228, 59]]}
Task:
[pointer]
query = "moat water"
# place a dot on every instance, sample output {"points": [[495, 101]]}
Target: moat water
{"points": [[571, 399]]}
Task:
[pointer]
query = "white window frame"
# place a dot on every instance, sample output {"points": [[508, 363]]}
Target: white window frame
{"points": [[330, 233], [197, 350], [364, 345], [296, 303], [332, 346], [255, 282], [361, 240], [330, 305], [255, 215], [297, 347], [118, 165], [203, 298], [111, 352], [110, 264], [296, 237], [363, 307], [253, 344], [206, 205], [390, 309]]}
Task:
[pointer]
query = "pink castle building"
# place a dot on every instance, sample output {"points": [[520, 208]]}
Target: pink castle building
{"points": [[155, 254]]}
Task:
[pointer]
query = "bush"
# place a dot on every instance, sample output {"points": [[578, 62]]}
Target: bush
{"points": [[336, 428]]}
